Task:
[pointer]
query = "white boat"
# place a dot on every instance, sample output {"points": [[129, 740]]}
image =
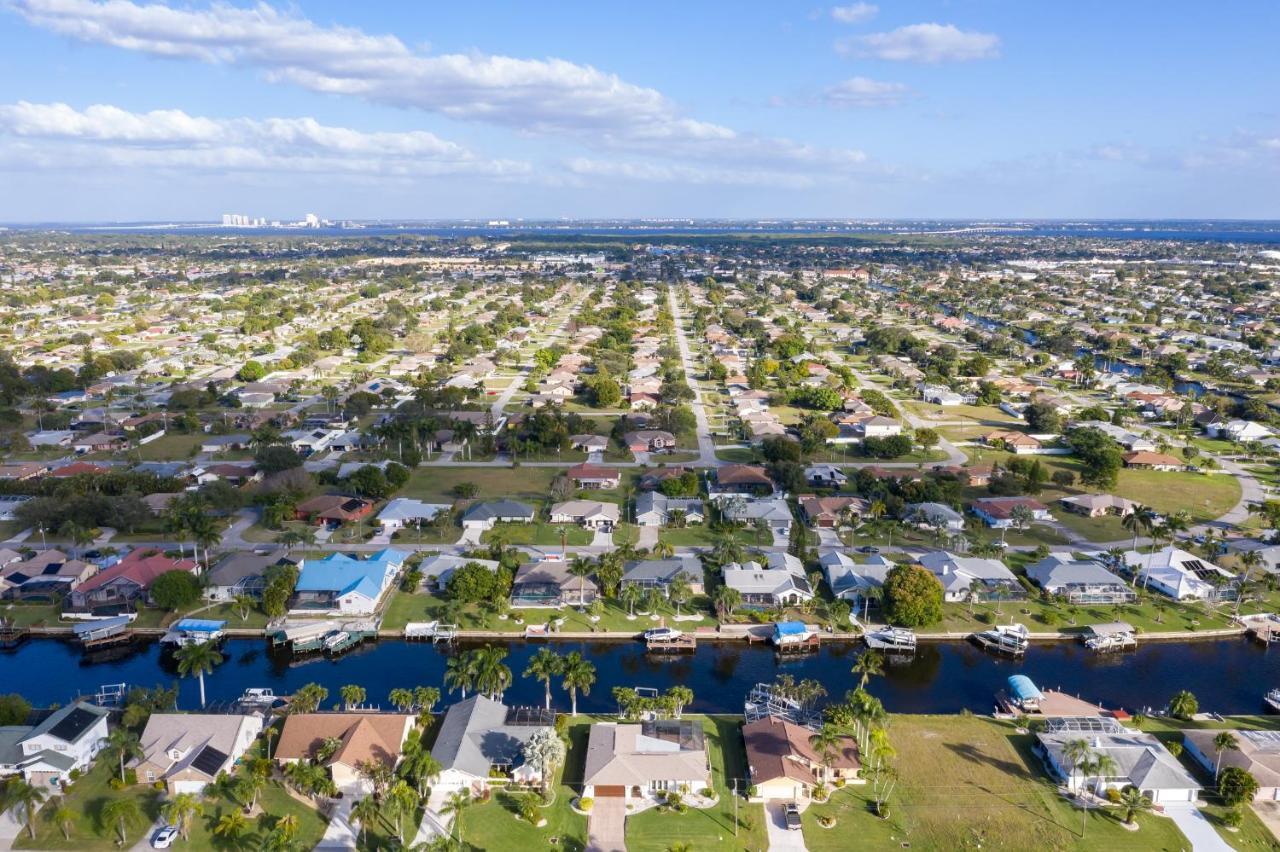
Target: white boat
{"points": [[1011, 639], [258, 696], [334, 640], [1272, 700], [662, 633], [891, 640]]}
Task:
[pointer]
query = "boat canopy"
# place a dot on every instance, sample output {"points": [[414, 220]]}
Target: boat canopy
{"points": [[1111, 628], [790, 628], [100, 625], [1023, 689], [199, 625]]}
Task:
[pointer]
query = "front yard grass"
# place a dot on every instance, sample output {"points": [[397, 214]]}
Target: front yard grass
{"points": [[86, 798], [537, 533]]}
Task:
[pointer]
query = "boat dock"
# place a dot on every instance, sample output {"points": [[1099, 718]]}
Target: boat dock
{"points": [[1263, 628], [1111, 636], [1009, 640], [671, 644], [11, 636], [194, 631], [104, 632], [430, 631], [329, 637]]}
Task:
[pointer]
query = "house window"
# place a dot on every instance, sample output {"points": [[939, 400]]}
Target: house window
{"points": [[151, 775]]}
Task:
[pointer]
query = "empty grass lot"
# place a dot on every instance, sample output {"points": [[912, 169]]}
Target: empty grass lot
{"points": [[967, 783]]}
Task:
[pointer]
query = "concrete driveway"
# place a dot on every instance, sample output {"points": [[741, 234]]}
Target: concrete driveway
{"points": [[11, 826], [606, 827], [781, 838], [1192, 823]]}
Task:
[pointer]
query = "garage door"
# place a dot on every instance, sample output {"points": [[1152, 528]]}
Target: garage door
{"points": [[188, 786], [611, 791]]}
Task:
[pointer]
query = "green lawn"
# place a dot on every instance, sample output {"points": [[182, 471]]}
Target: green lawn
{"points": [[1203, 496], [275, 802], [1045, 617], [418, 606], [86, 798], [435, 484], [173, 446], [539, 533], [701, 535], [714, 828], [1104, 528], [967, 782]]}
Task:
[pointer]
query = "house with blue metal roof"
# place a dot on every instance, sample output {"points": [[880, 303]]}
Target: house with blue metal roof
{"points": [[345, 584]]}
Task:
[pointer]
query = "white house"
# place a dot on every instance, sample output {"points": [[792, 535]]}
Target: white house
{"points": [[1140, 759], [47, 754], [654, 509], [962, 576], [405, 511], [1180, 575], [592, 514], [631, 762]]}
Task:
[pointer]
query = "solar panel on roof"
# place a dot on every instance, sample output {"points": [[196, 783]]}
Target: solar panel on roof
{"points": [[209, 761], [76, 723]]}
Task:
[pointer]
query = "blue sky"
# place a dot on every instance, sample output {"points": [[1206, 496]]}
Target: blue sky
{"points": [[135, 110]]}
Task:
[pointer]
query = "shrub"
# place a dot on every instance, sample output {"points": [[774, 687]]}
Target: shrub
{"points": [[585, 803]]}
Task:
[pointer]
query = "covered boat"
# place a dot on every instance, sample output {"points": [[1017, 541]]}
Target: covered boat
{"points": [[1024, 693]]}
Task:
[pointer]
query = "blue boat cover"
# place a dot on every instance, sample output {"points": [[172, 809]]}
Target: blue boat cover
{"points": [[1023, 689], [790, 628], [199, 625]]}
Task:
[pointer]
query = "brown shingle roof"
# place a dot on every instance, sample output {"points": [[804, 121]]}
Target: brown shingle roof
{"points": [[365, 736]]}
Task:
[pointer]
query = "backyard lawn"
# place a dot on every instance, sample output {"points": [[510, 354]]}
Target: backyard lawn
{"points": [[405, 607], [967, 782]]}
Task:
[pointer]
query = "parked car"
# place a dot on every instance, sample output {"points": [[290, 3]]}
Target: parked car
{"points": [[792, 813], [164, 838], [868, 548]]}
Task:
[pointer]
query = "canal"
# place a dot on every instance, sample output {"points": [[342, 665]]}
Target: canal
{"points": [[1229, 675]]}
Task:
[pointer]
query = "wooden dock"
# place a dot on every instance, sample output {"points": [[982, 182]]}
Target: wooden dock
{"points": [[807, 645], [676, 645]]}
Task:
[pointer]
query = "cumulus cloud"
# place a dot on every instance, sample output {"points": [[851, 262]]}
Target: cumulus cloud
{"points": [[865, 92], [854, 13], [543, 96], [172, 138], [924, 43]]}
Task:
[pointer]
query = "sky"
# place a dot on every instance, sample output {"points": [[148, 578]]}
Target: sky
{"points": [[135, 110]]}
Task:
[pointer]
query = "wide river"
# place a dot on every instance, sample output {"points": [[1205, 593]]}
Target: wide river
{"points": [[1228, 676]]}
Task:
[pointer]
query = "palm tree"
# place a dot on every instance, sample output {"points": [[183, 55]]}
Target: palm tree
{"points": [[460, 672], [122, 813], [547, 664], [579, 674], [493, 675], [1249, 559], [27, 796], [1076, 753], [1224, 742], [679, 591], [180, 810], [124, 744], [827, 744], [365, 812], [1142, 519], [308, 698], [401, 801], [401, 699], [65, 818], [353, 695], [631, 595], [582, 568], [868, 665], [1100, 767], [1133, 802], [285, 830], [727, 600], [455, 805], [663, 549], [231, 827], [681, 697], [196, 659], [1183, 705]]}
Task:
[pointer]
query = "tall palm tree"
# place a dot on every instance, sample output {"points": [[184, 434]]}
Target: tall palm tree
{"points": [[460, 672], [28, 797], [64, 816], [493, 675], [1076, 753], [869, 664], [196, 659], [365, 812], [582, 568], [631, 595], [727, 600], [1141, 520], [455, 805], [1250, 560], [181, 810], [123, 814], [578, 676], [545, 665], [827, 744], [679, 591], [1224, 742], [353, 695], [123, 744], [663, 549]]}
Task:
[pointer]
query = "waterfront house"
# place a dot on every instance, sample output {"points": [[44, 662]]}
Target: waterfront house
{"points": [[1256, 752], [363, 738], [332, 509], [1140, 759], [655, 509], [998, 512], [47, 754], [591, 514], [117, 588], [48, 575], [484, 515], [481, 739], [243, 573], [782, 762], [437, 568], [549, 583], [1079, 581], [768, 586], [594, 476], [849, 579], [187, 751], [339, 583], [1181, 575], [965, 576], [631, 762], [404, 512], [659, 573]]}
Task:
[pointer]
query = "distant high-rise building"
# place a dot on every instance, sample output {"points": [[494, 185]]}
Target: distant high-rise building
{"points": [[312, 220]]}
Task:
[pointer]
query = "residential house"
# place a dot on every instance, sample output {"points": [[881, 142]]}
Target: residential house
{"points": [[549, 583], [1256, 752], [344, 584], [649, 441], [48, 575], [1080, 581], [772, 511], [1144, 460], [225, 443], [485, 515], [934, 515], [825, 476], [782, 762], [188, 751], [741, 479], [1018, 443], [363, 738], [332, 509], [402, 512], [999, 512], [1098, 505], [635, 762], [47, 754], [1181, 575], [589, 443], [117, 588], [779, 582], [1140, 760], [850, 579], [591, 514], [659, 573], [481, 739], [243, 573], [963, 577], [655, 509], [437, 568], [831, 511], [587, 475]]}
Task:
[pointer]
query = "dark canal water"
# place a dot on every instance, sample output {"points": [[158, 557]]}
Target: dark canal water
{"points": [[1228, 676]]}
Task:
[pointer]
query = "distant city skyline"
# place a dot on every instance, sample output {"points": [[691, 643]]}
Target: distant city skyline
{"points": [[130, 110]]}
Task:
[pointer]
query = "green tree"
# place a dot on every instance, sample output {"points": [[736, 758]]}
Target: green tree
{"points": [[123, 745], [912, 596], [197, 659], [21, 794], [123, 813], [1236, 786], [578, 676], [1184, 705], [543, 666], [175, 590], [1133, 802]]}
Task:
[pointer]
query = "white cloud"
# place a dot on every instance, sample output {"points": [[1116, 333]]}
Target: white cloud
{"points": [[924, 43], [854, 13], [543, 96], [649, 172], [103, 133], [865, 92]]}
